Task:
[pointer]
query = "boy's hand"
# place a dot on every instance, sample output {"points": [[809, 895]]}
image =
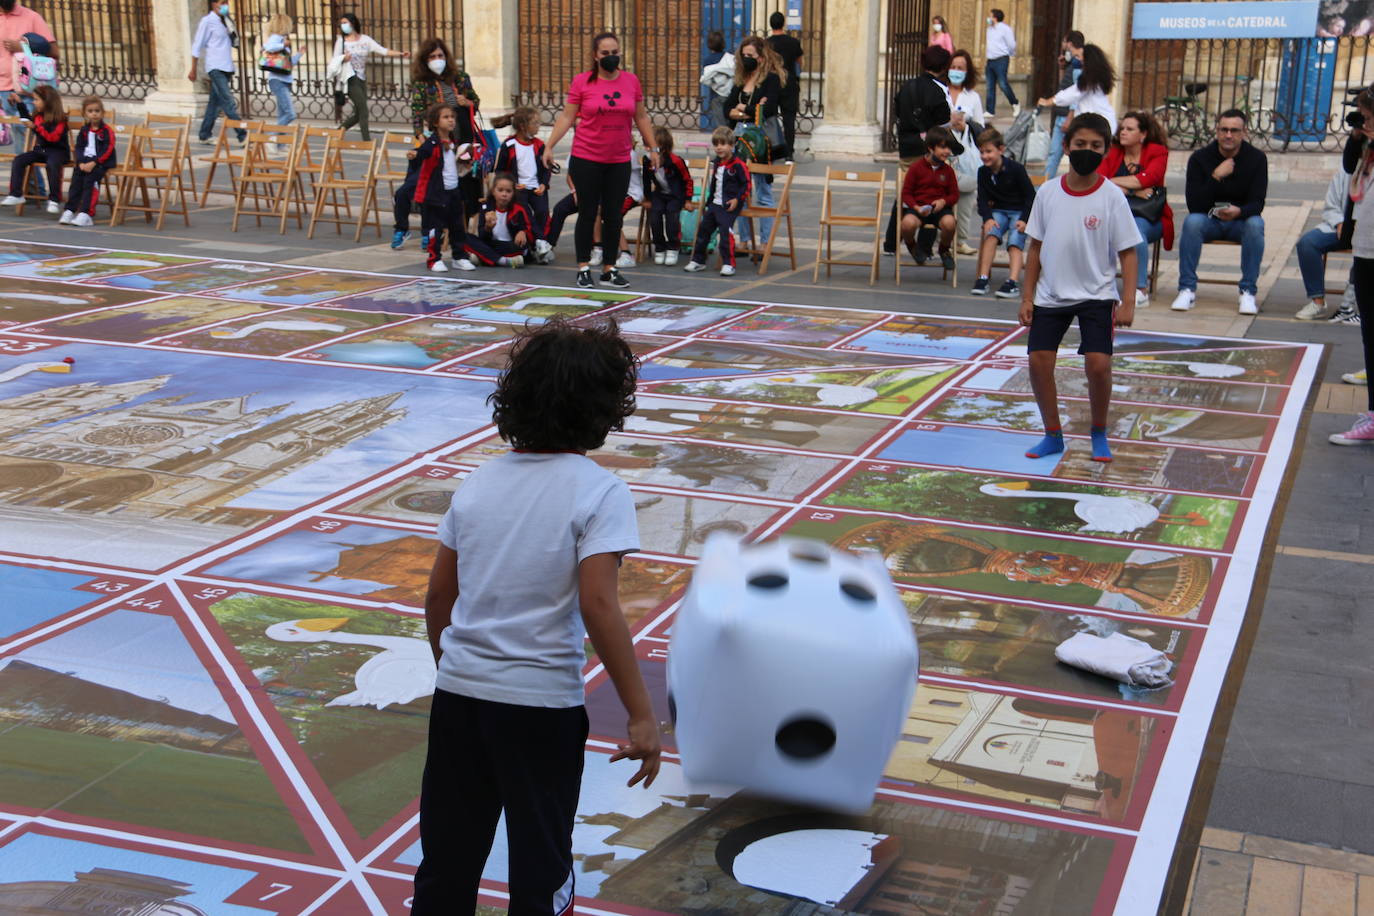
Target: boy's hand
{"points": [[938, 205], [1124, 313], [491, 220], [86, 166], [1027, 310], [691, 205], [520, 241], [991, 224], [643, 747], [730, 205], [410, 155], [1020, 225], [539, 191]]}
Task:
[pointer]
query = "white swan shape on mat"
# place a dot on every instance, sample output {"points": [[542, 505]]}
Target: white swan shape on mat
{"points": [[1201, 370], [1103, 514], [403, 671], [121, 262], [296, 324], [437, 327], [24, 369], [55, 300], [527, 301], [827, 395]]}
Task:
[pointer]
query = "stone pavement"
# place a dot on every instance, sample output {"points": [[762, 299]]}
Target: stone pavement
{"points": [[1296, 767]]}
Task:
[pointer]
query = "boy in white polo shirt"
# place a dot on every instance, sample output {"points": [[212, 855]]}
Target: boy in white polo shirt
{"points": [[1079, 229], [535, 538]]}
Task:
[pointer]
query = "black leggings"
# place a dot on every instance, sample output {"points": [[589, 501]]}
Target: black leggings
{"points": [[1364, 298], [54, 158], [602, 185]]}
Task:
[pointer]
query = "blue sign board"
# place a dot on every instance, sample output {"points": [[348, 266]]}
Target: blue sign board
{"points": [[1240, 19]]}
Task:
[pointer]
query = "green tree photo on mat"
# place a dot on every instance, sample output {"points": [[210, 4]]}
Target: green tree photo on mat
{"points": [[886, 391], [370, 758]]}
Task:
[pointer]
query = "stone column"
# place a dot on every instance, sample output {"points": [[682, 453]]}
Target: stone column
{"points": [[491, 55], [174, 25], [1107, 24], [850, 127]]}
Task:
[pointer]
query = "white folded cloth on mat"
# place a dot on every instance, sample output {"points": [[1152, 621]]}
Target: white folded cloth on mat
{"points": [[1119, 657]]}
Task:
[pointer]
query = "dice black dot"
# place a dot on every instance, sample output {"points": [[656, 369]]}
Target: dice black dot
{"points": [[805, 738], [858, 591], [768, 580], [807, 553]]}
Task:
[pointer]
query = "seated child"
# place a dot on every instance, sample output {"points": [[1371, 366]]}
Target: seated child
{"points": [[929, 194], [1005, 196], [51, 148], [670, 192], [726, 195], [505, 230], [95, 155]]}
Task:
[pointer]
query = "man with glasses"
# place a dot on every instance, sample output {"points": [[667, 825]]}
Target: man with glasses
{"points": [[1226, 185]]}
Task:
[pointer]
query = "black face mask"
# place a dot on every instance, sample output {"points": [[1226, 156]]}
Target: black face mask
{"points": [[1084, 161], [750, 64], [610, 63], [7, 5]]}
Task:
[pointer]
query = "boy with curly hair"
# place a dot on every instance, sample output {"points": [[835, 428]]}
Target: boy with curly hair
{"points": [[535, 538]]}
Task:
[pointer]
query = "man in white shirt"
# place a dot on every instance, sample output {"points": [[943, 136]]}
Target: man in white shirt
{"points": [[1001, 45], [214, 46]]}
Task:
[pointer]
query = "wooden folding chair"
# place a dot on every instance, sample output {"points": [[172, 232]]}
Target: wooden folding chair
{"points": [[701, 167], [163, 145], [184, 122], [392, 166], [310, 154], [225, 155], [267, 182], [336, 182], [873, 181], [779, 211]]}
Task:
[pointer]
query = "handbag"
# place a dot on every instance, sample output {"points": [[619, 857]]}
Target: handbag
{"points": [[278, 62], [1037, 142], [1150, 209], [967, 162]]}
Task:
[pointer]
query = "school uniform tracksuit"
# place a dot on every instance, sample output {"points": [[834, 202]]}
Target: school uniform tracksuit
{"points": [[493, 243], [93, 144], [51, 148], [441, 206], [525, 160], [667, 196], [729, 182]]}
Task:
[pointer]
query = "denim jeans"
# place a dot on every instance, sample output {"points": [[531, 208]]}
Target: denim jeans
{"points": [[762, 196], [1056, 145], [1313, 244], [996, 74], [1149, 232], [1199, 228], [286, 108], [1005, 228], [221, 100]]}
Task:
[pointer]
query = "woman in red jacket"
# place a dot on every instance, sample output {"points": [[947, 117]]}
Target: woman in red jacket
{"points": [[1136, 163]]}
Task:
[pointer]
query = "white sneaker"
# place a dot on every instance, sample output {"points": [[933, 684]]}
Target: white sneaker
{"points": [[694, 266], [660, 257], [83, 220], [1142, 299], [1248, 305], [1315, 312], [542, 247], [11, 201], [54, 207], [1356, 378], [439, 267], [670, 258], [625, 261], [464, 264], [727, 270], [1184, 301], [1015, 109], [66, 217], [596, 256]]}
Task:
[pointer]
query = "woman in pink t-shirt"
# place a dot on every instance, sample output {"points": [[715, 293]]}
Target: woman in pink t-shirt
{"points": [[606, 102]]}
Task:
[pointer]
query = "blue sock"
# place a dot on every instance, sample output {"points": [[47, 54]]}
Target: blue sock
{"points": [[1052, 444], [1101, 450]]}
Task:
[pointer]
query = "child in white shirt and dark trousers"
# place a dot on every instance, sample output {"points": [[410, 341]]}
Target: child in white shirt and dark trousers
{"points": [[670, 192], [535, 537], [95, 155], [505, 230], [726, 195], [1071, 273], [437, 191], [522, 156]]}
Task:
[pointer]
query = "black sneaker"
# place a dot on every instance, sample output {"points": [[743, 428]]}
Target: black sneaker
{"points": [[922, 255], [947, 260], [584, 279], [1009, 289], [980, 287], [614, 278]]}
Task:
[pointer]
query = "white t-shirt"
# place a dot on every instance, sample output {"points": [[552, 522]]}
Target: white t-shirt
{"points": [[636, 189], [1078, 259], [526, 169], [521, 524], [1092, 101], [502, 229], [450, 160]]}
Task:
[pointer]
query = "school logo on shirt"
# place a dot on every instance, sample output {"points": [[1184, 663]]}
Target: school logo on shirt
{"points": [[610, 98], [1091, 221]]}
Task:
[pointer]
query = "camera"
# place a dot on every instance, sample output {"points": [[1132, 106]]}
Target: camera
{"points": [[1354, 119]]}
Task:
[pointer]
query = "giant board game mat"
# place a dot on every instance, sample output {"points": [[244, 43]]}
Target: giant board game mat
{"points": [[219, 484]]}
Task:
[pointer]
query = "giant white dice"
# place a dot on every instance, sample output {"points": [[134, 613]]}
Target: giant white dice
{"points": [[791, 669]]}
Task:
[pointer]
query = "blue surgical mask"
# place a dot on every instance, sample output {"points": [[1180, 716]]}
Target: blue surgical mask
{"points": [[346, 28], [224, 9], [956, 77]]}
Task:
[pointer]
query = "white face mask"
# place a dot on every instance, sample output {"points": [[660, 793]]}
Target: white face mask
{"points": [[346, 28], [937, 27], [437, 65]]}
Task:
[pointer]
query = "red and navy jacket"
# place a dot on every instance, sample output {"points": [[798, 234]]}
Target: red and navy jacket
{"points": [[429, 185], [736, 182], [51, 135], [518, 220], [104, 157], [679, 179], [506, 159]]}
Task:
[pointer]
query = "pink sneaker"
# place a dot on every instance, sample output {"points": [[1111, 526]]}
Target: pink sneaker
{"points": [[1362, 433]]}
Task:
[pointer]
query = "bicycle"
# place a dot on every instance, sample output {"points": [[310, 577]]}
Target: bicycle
{"points": [[1261, 122], [1185, 118]]}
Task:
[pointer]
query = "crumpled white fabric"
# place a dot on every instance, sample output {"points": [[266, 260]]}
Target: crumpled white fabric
{"points": [[1120, 657]]}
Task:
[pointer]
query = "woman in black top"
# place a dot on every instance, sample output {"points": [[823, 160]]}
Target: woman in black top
{"points": [[756, 98]]}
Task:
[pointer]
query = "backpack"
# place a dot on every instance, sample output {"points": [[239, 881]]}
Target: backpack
{"points": [[751, 144], [36, 70]]}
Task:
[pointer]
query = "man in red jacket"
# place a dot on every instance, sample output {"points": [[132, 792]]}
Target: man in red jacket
{"points": [[929, 194]]}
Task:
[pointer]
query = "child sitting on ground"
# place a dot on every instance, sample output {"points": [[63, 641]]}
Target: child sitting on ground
{"points": [[505, 230], [929, 194], [442, 162], [522, 155], [1005, 196], [669, 190], [727, 193], [1071, 273], [50, 148], [95, 155], [535, 538]]}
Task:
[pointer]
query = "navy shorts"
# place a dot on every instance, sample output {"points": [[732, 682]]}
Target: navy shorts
{"points": [[1095, 329]]}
